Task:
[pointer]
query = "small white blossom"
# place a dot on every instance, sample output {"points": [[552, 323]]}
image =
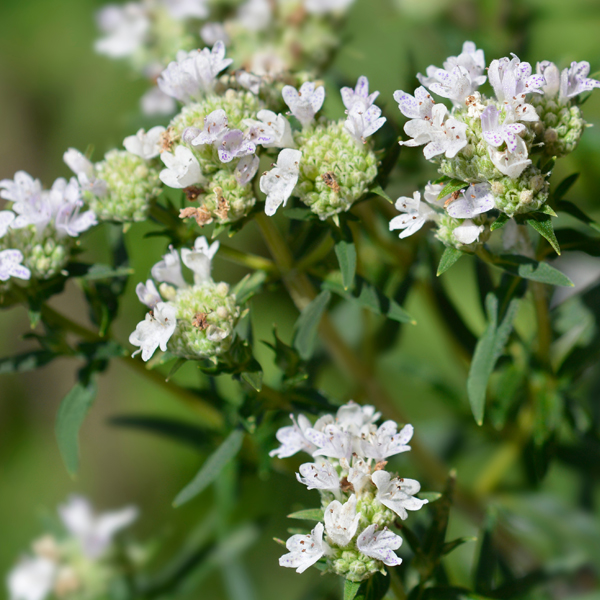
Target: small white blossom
{"points": [[320, 475], [71, 221], [467, 232], [155, 330], [397, 494], [304, 103], [10, 265], [575, 81], [212, 32], [184, 9], [199, 260], [21, 188], [293, 439], [248, 81], [331, 442], [419, 106], [148, 294], [475, 200], [416, 214], [156, 102], [215, 127], [279, 183], [125, 28], [363, 124], [31, 579], [304, 550], [380, 545], [271, 130], [341, 521], [6, 218], [94, 532], [183, 168], [168, 269], [353, 417], [321, 7], [246, 169], [512, 81], [359, 474], [268, 62], [359, 97], [85, 171], [145, 145], [431, 193], [194, 73], [386, 441], [234, 145], [496, 134], [511, 163], [255, 15]]}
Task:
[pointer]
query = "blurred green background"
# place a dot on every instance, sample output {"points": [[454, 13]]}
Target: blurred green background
{"points": [[56, 93]]}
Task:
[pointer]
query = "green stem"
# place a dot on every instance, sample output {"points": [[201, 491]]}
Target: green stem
{"points": [[246, 259], [544, 326]]}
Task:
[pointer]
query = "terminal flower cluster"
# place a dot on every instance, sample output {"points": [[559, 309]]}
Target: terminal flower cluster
{"points": [[79, 564], [191, 321], [361, 500], [488, 143]]}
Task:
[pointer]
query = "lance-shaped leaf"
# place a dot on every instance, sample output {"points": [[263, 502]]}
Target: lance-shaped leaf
{"points": [[570, 239], [377, 189], [575, 211], [26, 362], [305, 335], [501, 221], [248, 286], [543, 225], [213, 466], [70, 417], [310, 514], [346, 255], [488, 350], [374, 588], [450, 257], [528, 268], [564, 186], [454, 185], [350, 589]]}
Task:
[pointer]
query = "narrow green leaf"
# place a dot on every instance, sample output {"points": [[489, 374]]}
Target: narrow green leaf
{"points": [[571, 239], [25, 362], [547, 210], [450, 546], [527, 268], [543, 225], [374, 588], [180, 362], [575, 211], [299, 214], [350, 589], [489, 348], [380, 192], [106, 272], [501, 221], [212, 467], [454, 185], [305, 335], [430, 496], [450, 256], [70, 417], [310, 514], [253, 379], [346, 255], [564, 186], [248, 286]]}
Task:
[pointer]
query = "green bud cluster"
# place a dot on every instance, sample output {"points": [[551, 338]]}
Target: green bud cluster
{"points": [[132, 184], [335, 171], [560, 126], [43, 254], [229, 201], [527, 193], [202, 309], [447, 225], [353, 564]]}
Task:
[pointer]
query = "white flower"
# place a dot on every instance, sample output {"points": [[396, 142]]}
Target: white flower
{"points": [[168, 269], [331, 442], [155, 330], [279, 183], [199, 259], [292, 438], [255, 15], [246, 169], [319, 475], [269, 62], [304, 103], [145, 145], [341, 521], [182, 9], [234, 145], [386, 441], [31, 579], [511, 163], [460, 77], [574, 80], [85, 171], [30, 201], [304, 550], [10, 265], [193, 74], [397, 494], [496, 134], [467, 232], [248, 81], [215, 127], [21, 188], [353, 417], [183, 168], [125, 28], [211, 33], [380, 545], [359, 474], [6, 218], [321, 7], [148, 294], [94, 532], [358, 97], [551, 75], [156, 102], [431, 193], [271, 130], [70, 221], [416, 214], [475, 200], [512, 81], [363, 124], [419, 106]]}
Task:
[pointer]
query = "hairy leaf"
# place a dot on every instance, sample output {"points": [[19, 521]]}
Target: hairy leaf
{"points": [[543, 225], [528, 268], [305, 335], [449, 258], [310, 514], [346, 255], [454, 185]]}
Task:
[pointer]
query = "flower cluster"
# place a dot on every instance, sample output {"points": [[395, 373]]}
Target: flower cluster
{"points": [[488, 143], [359, 498], [76, 566], [39, 228], [191, 321]]}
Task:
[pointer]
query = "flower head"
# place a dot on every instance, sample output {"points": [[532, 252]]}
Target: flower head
{"points": [[305, 103]]}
